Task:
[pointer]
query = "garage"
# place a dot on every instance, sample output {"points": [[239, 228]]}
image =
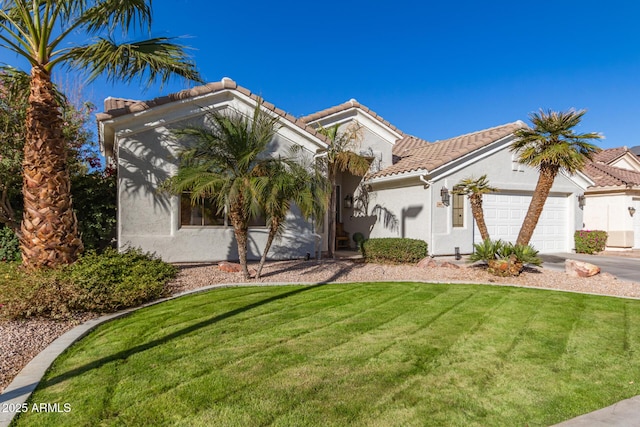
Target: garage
{"points": [[504, 214]]}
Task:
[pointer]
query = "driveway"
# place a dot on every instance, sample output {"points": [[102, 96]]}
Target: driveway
{"points": [[623, 267]]}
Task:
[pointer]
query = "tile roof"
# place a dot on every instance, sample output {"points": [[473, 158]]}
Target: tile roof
{"points": [[609, 155], [434, 155], [117, 107], [346, 106], [407, 143], [610, 176]]}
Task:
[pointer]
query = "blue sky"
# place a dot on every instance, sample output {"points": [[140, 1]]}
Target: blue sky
{"points": [[433, 69]]}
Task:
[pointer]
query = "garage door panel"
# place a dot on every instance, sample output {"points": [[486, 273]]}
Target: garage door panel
{"points": [[505, 213]]}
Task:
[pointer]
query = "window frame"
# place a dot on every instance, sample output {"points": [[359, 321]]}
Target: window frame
{"points": [[224, 216], [457, 210]]}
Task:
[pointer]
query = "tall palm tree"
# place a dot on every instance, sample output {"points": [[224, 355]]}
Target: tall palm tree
{"points": [[46, 34], [474, 189], [290, 181], [550, 146], [340, 157], [226, 163]]}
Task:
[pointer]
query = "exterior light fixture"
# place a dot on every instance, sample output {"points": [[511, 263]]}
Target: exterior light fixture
{"points": [[582, 200], [444, 194], [348, 201], [632, 210]]}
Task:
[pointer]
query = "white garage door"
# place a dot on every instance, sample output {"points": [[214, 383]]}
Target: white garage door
{"points": [[504, 214]]}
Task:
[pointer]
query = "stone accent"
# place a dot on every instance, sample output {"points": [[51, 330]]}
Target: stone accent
{"points": [[427, 262], [447, 264], [233, 267], [580, 269]]}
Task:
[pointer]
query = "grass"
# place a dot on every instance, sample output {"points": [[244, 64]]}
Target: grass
{"points": [[370, 354]]}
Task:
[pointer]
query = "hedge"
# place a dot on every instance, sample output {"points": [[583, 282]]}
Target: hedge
{"points": [[394, 250]]}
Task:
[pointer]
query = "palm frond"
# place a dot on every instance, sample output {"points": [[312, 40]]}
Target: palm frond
{"points": [[553, 144], [148, 60], [111, 14]]}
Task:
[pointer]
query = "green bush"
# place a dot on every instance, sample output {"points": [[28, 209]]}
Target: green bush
{"points": [[34, 294], [96, 283], [394, 250], [111, 281], [9, 245], [590, 241]]}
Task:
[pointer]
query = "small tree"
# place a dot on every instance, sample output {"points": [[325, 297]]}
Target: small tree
{"points": [[290, 181], [226, 163], [474, 189], [340, 157], [551, 146]]}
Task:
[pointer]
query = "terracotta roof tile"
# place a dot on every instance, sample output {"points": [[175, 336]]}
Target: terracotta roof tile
{"points": [[117, 107], [346, 106], [406, 143], [609, 155], [431, 156], [610, 176]]}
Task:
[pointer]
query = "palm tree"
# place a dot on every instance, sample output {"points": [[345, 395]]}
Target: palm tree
{"points": [[339, 157], [290, 182], [46, 34], [551, 146], [225, 163], [474, 189]]}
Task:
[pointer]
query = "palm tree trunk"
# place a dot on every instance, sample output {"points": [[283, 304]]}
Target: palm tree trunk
{"points": [[49, 226], [331, 232], [540, 194], [273, 230], [240, 230], [478, 214]]}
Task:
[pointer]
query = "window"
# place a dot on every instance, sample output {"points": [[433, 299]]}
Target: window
{"points": [[458, 209], [206, 214], [203, 213]]}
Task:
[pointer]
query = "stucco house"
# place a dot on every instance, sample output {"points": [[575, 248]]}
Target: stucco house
{"points": [[407, 193], [612, 203]]}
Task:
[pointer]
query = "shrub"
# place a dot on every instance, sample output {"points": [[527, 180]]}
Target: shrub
{"points": [[504, 259], [111, 281], [394, 250], [590, 241], [358, 239], [97, 283], [9, 245]]}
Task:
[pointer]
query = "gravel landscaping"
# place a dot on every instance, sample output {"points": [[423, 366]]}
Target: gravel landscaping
{"points": [[22, 340]]}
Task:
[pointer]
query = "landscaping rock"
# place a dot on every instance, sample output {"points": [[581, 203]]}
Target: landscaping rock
{"points": [[427, 262], [580, 269], [233, 267], [447, 264]]}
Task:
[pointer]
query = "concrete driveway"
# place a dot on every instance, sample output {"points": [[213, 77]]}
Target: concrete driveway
{"points": [[623, 267]]}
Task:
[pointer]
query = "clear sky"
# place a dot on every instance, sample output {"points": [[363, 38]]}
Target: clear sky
{"points": [[434, 69]]}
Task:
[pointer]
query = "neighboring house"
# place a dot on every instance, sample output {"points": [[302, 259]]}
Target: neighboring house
{"points": [[407, 193], [612, 201]]}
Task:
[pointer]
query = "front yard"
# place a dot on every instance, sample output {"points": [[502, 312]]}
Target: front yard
{"points": [[351, 354]]}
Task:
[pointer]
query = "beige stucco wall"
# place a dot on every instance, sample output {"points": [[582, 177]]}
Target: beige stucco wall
{"points": [[150, 220], [496, 162]]}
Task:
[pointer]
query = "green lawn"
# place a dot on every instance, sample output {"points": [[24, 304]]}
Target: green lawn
{"points": [[374, 354]]}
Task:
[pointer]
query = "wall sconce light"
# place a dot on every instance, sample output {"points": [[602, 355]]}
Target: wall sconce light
{"points": [[444, 194], [582, 200], [348, 201], [632, 210]]}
